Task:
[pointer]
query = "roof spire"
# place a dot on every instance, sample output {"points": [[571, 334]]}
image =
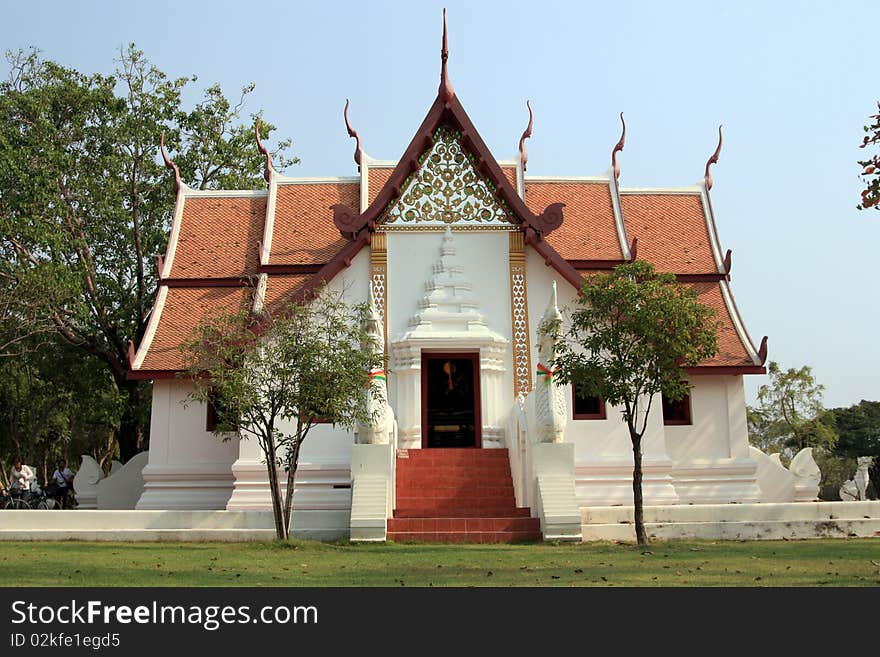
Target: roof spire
{"points": [[267, 171], [354, 135], [617, 148], [446, 90], [712, 160], [523, 154], [169, 163]]}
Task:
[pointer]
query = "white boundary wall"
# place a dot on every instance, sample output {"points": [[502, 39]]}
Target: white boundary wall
{"points": [[707, 521]]}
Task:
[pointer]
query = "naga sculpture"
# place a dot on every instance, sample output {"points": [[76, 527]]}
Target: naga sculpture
{"points": [[378, 430], [807, 476], [549, 399], [857, 487], [86, 481]]}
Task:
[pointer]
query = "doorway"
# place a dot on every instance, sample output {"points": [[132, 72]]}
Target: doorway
{"points": [[451, 400]]}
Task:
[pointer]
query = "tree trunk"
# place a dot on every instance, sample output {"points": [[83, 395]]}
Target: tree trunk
{"points": [[291, 475], [637, 488], [272, 468], [129, 434]]}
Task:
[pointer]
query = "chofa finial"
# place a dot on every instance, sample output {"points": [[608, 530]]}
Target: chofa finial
{"points": [[354, 135], [169, 164], [762, 351], [617, 148], [267, 171], [446, 90], [523, 154], [712, 160]]}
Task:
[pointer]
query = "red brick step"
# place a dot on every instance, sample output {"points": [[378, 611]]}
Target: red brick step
{"points": [[487, 512], [458, 496]]}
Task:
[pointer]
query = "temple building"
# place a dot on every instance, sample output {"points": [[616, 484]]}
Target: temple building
{"points": [[465, 258]]}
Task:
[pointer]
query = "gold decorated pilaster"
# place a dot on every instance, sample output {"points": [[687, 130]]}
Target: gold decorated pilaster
{"points": [[379, 277], [519, 317]]}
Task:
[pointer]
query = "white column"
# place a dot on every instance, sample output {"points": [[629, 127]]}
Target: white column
{"points": [[407, 376], [492, 389]]}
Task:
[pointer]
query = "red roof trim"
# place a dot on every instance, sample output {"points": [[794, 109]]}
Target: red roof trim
{"points": [[725, 369], [292, 269], [701, 278], [608, 265], [150, 375], [582, 265], [702, 370], [207, 282]]}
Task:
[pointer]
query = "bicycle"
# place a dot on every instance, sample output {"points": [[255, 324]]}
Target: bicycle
{"points": [[39, 501], [18, 501]]}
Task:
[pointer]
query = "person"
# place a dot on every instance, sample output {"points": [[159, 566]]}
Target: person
{"points": [[62, 479], [21, 477]]}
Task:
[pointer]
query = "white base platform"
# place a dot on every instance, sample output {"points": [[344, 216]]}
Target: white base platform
{"points": [[706, 521], [228, 526], [736, 521]]}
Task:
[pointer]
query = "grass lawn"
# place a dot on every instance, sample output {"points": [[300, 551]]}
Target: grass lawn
{"points": [[834, 562]]}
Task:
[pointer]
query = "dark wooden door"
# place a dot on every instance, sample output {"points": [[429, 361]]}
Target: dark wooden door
{"points": [[451, 400]]}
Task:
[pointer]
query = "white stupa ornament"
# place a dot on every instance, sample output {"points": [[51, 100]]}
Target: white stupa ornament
{"points": [[449, 305]]}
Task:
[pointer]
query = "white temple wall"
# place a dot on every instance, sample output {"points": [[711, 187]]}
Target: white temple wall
{"points": [[189, 467], [711, 456], [708, 435], [411, 257]]}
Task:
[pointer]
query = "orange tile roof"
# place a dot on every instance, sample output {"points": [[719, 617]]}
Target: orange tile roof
{"points": [[184, 309], [671, 229], [218, 237], [280, 286], [303, 232], [376, 179], [731, 351], [510, 173], [588, 231]]}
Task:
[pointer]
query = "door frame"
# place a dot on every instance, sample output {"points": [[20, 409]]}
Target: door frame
{"points": [[474, 357]]}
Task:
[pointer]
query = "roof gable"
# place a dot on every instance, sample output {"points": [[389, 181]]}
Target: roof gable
{"points": [[447, 113], [447, 188]]}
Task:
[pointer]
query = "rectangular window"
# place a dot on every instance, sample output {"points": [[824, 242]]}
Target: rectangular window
{"points": [[587, 407], [219, 417], [211, 417], [677, 412]]}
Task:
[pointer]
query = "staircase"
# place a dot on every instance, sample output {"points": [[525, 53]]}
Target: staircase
{"points": [[458, 496]]}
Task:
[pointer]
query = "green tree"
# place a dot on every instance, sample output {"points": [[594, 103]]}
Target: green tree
{"points": [[858, 428], [54, 403], [85, 206], [634, 331], [273, 376], [870, 174], [791, 412]]}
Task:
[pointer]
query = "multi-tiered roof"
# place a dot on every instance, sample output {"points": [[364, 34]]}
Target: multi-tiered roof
{"points": [[230, 249]]}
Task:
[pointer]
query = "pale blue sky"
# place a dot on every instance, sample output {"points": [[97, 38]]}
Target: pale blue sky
{"points": [[793, 83]]}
